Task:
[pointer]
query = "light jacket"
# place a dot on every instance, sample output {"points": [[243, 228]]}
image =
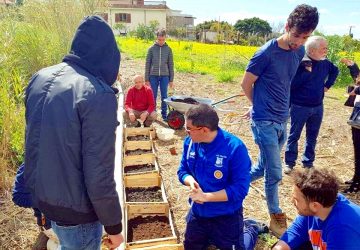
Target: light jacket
{"points": [[159, 62]]}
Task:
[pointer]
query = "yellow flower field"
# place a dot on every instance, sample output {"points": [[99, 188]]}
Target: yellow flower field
{"points": [[225, 62]]}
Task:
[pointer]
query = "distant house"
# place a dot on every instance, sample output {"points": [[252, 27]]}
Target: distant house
{"points": [[131, 13]]}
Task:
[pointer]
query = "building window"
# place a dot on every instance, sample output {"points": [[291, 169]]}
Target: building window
{"points": [[122, 18]]}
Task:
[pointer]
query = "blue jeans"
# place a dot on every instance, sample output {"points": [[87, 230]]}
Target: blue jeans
{"points": [[163, 81], [226, 232], [79, 237], [301, 116], [270, 137]]}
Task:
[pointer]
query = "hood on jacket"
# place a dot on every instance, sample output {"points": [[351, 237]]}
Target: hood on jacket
{"points": [[94, 48]]}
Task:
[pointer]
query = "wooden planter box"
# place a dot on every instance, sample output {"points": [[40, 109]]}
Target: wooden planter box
{"points": [[158, 243], [146, 180], [150, 132], [140, 160]]}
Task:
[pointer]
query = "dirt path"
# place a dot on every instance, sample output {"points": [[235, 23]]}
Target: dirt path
{"points": [[334, 151]]}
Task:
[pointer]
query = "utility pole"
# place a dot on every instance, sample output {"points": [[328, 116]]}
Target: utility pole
{"points": [[350, 33]]}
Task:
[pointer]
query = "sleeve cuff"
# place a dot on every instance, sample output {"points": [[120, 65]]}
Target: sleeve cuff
{"points": [[113, 230]]}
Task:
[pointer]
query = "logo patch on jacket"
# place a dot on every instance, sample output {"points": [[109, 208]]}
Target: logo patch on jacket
{"points": [[219, 160], [218, 174]]}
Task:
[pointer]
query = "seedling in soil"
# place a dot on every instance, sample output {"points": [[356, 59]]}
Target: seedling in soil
{"points": [[147, 228], [139, 194], [139, 168]]}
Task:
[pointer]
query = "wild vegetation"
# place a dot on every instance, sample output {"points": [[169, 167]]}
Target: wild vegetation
{"points": [[33, 35]]}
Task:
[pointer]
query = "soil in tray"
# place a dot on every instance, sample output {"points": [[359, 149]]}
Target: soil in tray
{"points": [[139, 194], [188, 100], [137, 152], [138, 138], [139, 168], [147, 228]]}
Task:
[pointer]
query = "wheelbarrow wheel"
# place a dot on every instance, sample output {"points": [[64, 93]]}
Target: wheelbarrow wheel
{"points": [[176, 120]]}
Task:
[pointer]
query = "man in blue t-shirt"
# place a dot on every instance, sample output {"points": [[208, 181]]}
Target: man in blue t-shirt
{"points": [[314, 77], [266, 84], [216, 166], [326, 221]]}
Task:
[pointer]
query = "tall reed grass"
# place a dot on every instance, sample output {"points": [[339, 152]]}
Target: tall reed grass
{"points": [[34, 35]]}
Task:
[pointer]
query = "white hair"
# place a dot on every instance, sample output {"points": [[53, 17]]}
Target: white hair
{"points": [[314, 42]]}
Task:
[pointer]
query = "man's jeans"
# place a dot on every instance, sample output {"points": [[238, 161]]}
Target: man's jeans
{"points": [[227, 232], [270, 137], [79, 237], [163, 81], [300, 115]]}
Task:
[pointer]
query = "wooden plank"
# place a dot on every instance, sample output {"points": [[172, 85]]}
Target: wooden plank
{"points": [[163, 247], [143, 180], [135, 209], [130, 160], [134, 145]]}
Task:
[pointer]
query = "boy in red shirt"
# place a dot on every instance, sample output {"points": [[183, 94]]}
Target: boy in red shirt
{"points": [[139, 104]]}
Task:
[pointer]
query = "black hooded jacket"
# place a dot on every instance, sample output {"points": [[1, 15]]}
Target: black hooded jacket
{"points": [[70, 132]]}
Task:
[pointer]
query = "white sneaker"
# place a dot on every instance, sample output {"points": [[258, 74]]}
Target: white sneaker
{"points": [[288, 169]]}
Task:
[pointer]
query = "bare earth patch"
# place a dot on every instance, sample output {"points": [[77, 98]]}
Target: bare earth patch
{"points": [[334, 151]]}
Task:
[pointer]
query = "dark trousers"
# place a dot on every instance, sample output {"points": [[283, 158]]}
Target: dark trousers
{"points": [[356, 143], [301, 116], [226, 232]]}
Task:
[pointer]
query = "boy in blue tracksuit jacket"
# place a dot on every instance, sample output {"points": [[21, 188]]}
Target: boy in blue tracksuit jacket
{"points": [[216, 166]]}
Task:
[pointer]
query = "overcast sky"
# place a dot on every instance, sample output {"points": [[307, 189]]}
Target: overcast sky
{"points": [[336, 16]]}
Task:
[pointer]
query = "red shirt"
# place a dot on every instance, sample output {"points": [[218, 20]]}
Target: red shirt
{"points": [[140, 99]]}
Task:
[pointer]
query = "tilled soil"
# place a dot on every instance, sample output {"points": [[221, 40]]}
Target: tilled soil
{"points": [[334, 151], [150, 227], [138, 138], [137, 152], [139, 194], [139, 168]]}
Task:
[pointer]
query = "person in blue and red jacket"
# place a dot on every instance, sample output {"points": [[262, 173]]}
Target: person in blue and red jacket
{"points": [[314, 77], [216, 166], [326, 221]]}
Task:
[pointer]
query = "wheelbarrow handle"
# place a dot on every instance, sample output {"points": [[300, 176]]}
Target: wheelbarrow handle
{"points": [[214, 104]]}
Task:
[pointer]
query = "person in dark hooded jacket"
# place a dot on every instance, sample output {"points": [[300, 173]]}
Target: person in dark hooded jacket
{"points": [[71, 118]]}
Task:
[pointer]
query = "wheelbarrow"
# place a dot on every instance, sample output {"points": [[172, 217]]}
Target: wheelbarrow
{"points": [[179, 104]]}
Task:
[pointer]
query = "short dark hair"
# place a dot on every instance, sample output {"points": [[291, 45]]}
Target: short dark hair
{"points": [[304, 18], [203, 115], [161, 32], [317, 185]]}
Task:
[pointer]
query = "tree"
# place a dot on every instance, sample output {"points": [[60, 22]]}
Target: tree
{"points": [[253, 26]]}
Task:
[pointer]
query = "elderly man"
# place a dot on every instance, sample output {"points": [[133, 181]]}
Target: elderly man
{"points": [[314, 77], [140, 104], [326, 221], [216, 166]]}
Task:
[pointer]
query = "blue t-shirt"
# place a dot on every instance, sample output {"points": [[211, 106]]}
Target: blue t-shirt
{"points": [[340, 230], [307, 87], [222, 164], [275, 68]]}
